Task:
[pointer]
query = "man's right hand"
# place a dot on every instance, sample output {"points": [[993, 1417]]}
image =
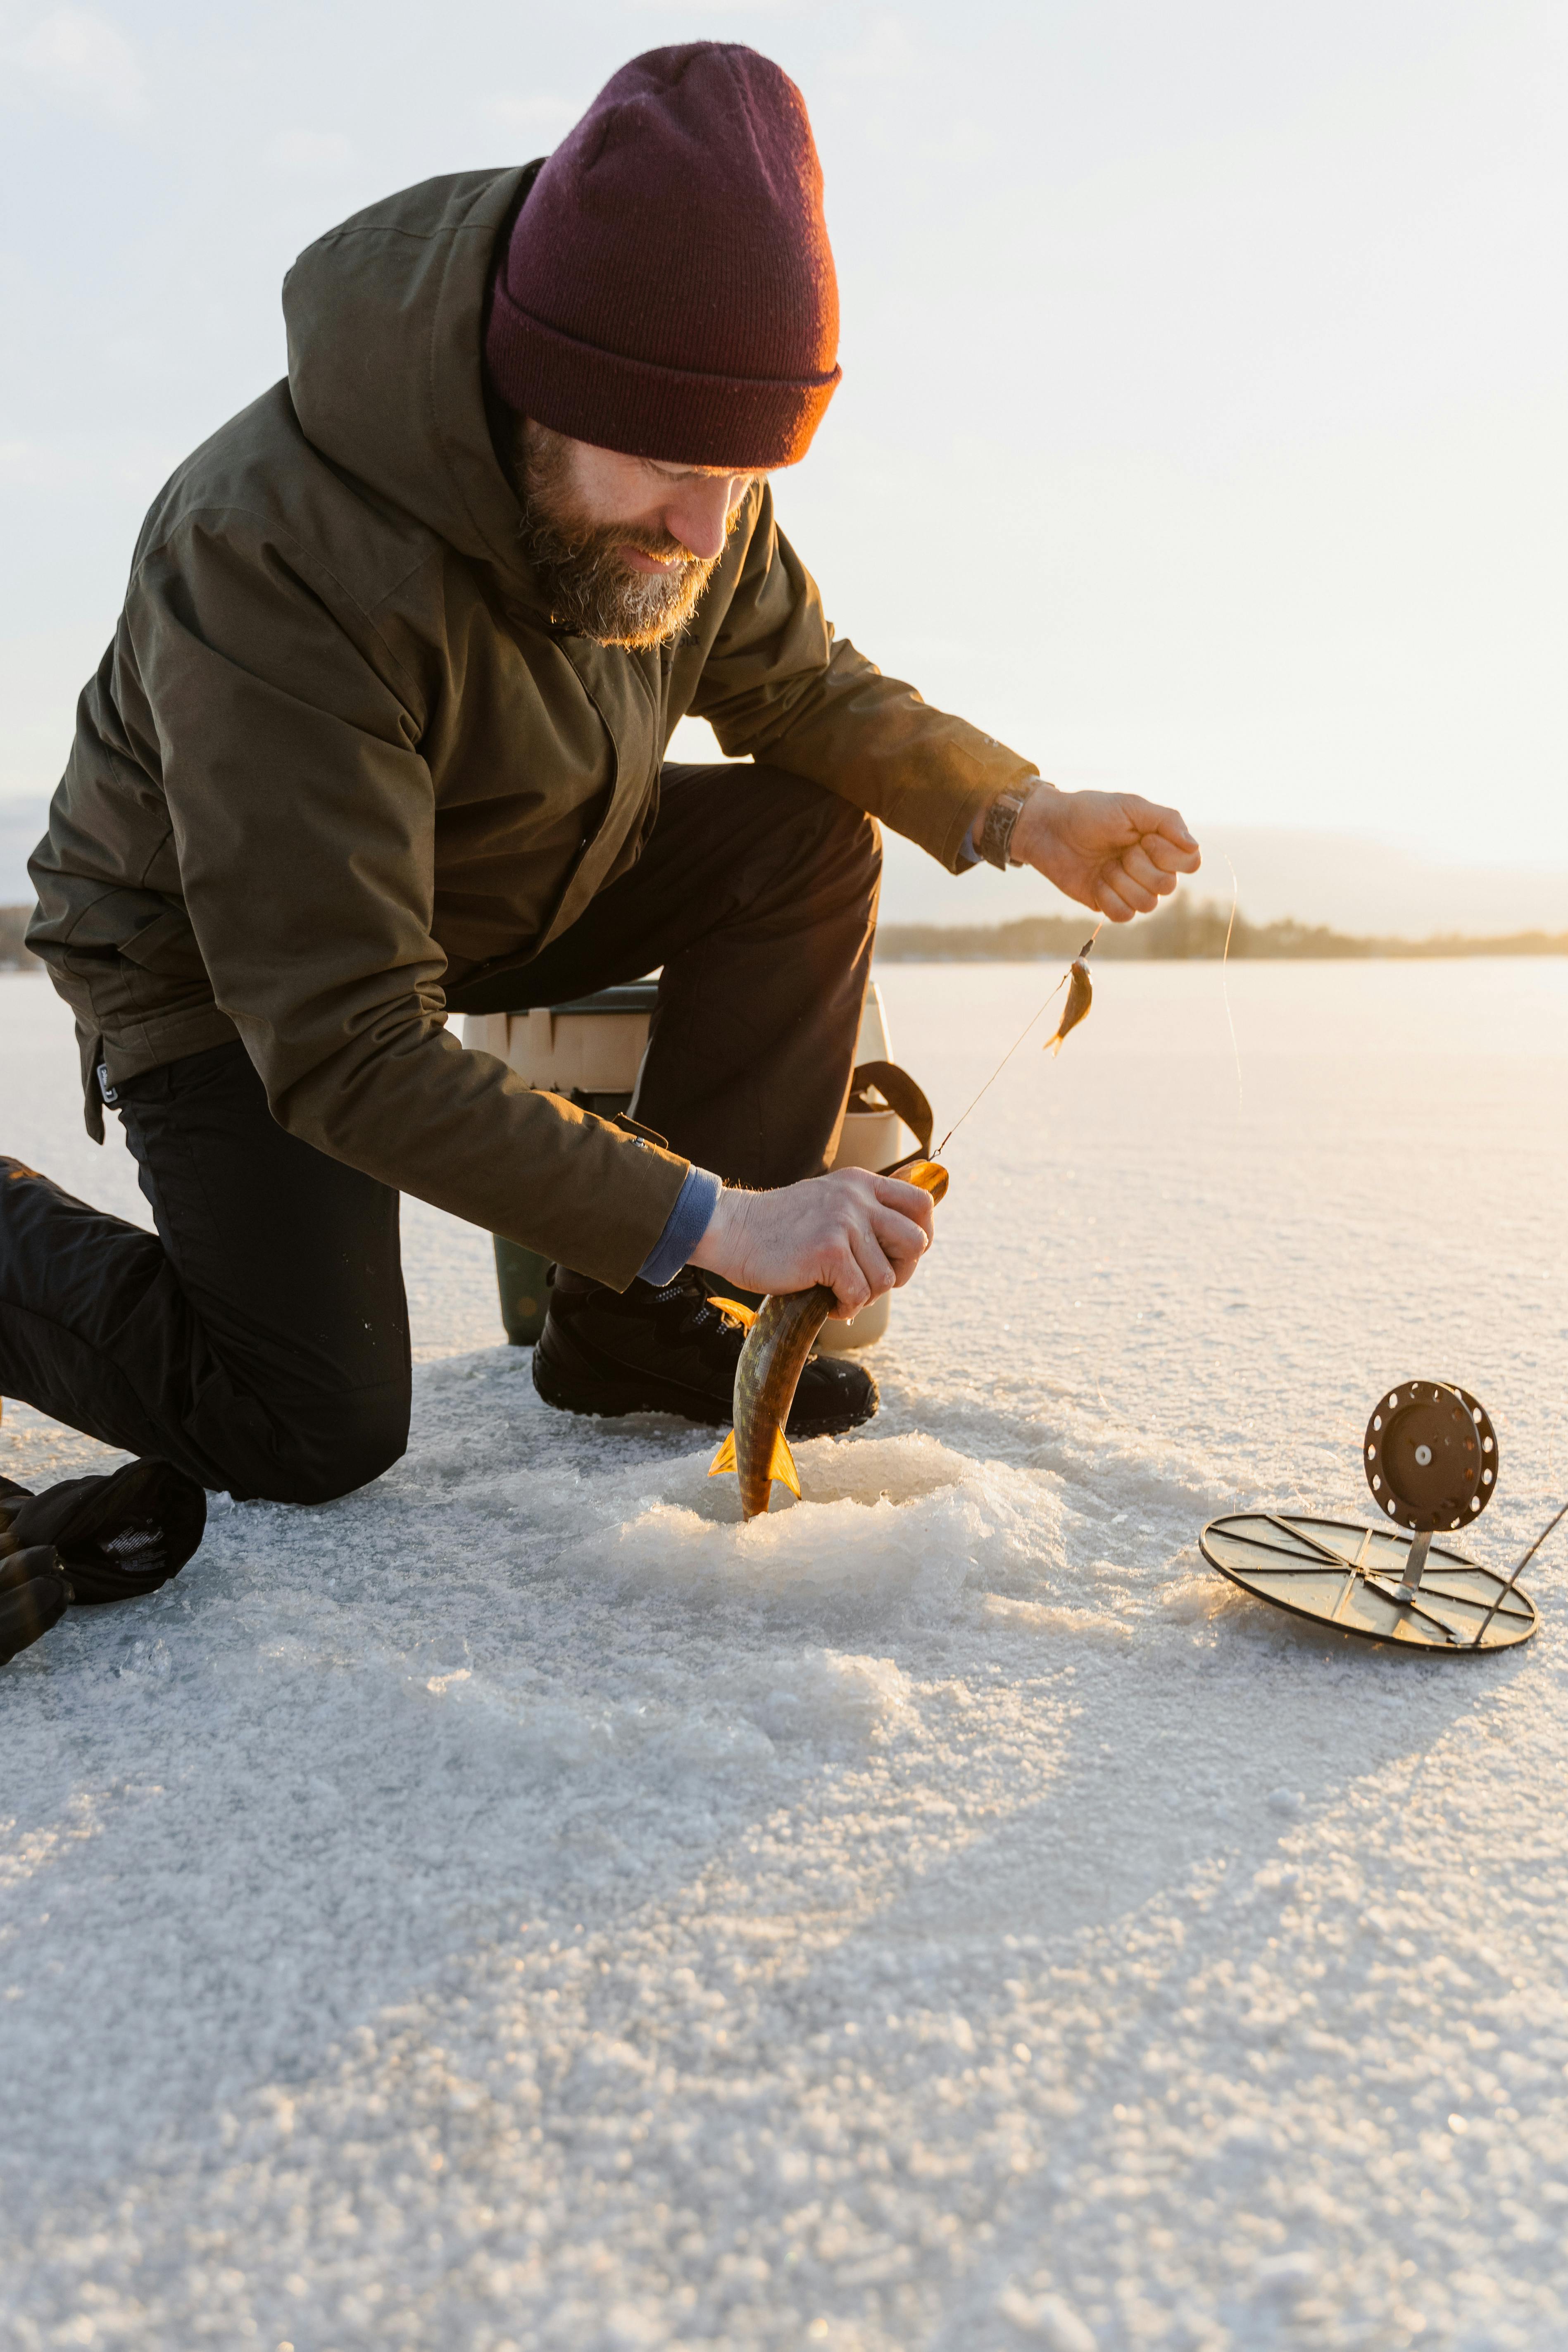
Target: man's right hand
{"points": [[860, 1234]]}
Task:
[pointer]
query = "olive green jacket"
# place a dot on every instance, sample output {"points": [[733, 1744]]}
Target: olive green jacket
{"points": [[338, 765]]}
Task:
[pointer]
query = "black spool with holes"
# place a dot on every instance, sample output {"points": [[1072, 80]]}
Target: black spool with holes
{"points": [[1430, 1455]]}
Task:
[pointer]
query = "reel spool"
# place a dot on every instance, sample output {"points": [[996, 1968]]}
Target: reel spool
{"points": [[1430, 1455]]}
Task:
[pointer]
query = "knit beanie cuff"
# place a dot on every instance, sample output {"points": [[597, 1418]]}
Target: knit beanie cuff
{"points": [[646, 411]]}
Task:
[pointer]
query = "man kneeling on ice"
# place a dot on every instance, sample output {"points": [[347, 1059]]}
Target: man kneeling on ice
{"points": [[380, 739]]}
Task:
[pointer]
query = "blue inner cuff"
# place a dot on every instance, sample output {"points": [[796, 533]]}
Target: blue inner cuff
{"points": [[684, 1227], [969, 855]]}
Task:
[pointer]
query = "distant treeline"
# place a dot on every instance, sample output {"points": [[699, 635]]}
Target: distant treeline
{"points": [[1179, 932], [14, 955]]}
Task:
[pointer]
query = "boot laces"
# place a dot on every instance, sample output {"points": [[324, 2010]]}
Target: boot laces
{"points": [[686, 1301]]}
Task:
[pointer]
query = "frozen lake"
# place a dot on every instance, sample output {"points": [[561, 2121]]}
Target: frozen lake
{"points": [[520, 1907]]}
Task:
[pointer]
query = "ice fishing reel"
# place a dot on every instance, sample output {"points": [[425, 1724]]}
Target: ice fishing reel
{"points": [[1430, 1454]]}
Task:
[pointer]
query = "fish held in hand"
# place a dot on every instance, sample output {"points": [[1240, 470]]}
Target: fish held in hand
{"points": [[780, 1336], [1080, 996]]}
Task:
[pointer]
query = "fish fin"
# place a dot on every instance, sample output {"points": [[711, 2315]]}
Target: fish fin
{"points": [[782, 1466], [1054, 1045], [743, 1315], [724, 1459]]}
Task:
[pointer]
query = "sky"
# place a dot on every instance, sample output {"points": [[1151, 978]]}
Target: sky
{"points": [[1202, 424]]}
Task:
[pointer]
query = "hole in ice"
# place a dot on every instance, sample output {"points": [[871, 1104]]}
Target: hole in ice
{"points": [[878, 1469], [866, 1470], [886, 1523]]}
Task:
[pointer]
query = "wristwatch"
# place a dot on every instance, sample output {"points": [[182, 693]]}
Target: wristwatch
{"points": [[995, 842]]}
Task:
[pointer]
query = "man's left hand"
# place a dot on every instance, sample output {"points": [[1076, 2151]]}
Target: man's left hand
{"points": [[1112, 851]]}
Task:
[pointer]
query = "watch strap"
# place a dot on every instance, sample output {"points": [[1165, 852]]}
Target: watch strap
{"points": [[995, 841]]}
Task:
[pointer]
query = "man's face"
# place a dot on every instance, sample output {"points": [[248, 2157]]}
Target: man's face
{"points": [[624, 546]]}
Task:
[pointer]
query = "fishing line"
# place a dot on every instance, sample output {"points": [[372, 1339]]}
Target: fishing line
{"points": [[1235, 1049], [1036, 1017], [1224, 990], [1012, 1048], [1518, 1572]]}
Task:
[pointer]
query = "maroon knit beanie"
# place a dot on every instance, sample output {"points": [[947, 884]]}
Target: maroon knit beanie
{"points": [[667, 289]]}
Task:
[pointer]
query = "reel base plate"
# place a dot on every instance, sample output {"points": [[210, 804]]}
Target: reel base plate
{"points": [[1345, 1576]]}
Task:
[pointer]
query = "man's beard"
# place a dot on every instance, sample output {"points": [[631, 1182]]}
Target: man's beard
{"points": [[592, 590]]}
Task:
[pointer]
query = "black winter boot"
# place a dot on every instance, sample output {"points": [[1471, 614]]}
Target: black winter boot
{"points": [[111, 1537], [670, 1350], [34, 1596]]}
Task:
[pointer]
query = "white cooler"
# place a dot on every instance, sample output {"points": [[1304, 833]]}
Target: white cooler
{"points": [[592, 1051]]}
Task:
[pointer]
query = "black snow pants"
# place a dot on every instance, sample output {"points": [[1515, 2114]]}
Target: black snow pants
{"points": [[260, 1339]]}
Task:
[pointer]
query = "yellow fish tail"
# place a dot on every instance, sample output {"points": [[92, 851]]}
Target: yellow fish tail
{"points": [[782, 1466]]}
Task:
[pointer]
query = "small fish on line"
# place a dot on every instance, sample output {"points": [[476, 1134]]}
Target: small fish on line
{"points": [[780, 1335], [1080, 996]]}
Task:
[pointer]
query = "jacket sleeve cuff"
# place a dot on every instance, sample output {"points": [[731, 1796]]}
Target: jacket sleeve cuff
{"points": [[683, 1228]]}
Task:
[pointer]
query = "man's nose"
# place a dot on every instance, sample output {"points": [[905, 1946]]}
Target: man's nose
{"points": [[699, 517]]}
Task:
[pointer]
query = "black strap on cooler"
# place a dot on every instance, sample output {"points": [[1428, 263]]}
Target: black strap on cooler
{"points": [[899, 1093]]}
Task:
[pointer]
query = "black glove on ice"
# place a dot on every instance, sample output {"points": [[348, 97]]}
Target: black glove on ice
{"points": [[92, 1540]]}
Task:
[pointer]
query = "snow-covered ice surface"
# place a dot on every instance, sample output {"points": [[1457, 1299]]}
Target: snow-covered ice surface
{"points": [[519, 1906]]}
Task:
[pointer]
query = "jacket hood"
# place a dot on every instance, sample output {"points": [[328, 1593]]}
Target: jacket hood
{"points": [[385, 320]]}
